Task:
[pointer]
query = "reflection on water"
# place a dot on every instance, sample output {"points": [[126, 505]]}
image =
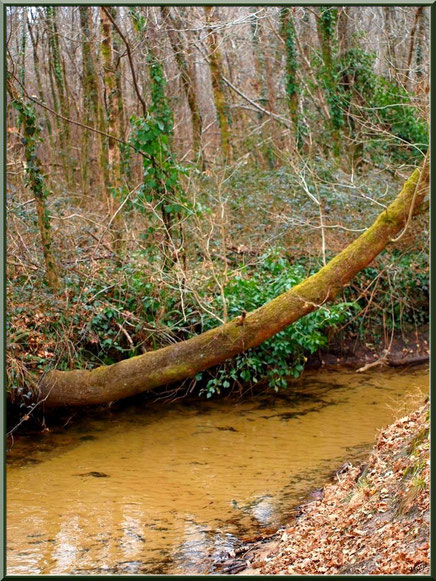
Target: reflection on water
{"points": [[166, 489]]}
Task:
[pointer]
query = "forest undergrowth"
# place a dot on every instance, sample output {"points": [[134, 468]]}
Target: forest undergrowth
{"points": [[172, 195], [246, 246]]}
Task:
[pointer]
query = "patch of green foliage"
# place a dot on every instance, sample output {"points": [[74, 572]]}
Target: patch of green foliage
{"points": [[369, 107], [283, 355], [402, 119], [101, 323], [152, 137], [384, 107]]}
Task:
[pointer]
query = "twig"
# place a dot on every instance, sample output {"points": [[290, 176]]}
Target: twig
{"points": [[129, 338], [382, 360]]}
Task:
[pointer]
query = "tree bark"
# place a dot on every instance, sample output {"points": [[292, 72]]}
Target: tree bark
{"points": [[418, 15], [187, 74], [187, 358], [90, 93], [326, 25], [216, 71], [36, 184], [264, 152], [288, 35], [343, 32], [420, 42], [34, 39], [59, 80], [113, 114], [389, 23]]}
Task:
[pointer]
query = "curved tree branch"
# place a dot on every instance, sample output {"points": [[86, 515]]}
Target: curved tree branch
{"points": [[187, 358]]}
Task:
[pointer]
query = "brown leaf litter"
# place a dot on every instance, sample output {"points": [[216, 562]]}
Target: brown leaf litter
{"points": [[373, 519]]}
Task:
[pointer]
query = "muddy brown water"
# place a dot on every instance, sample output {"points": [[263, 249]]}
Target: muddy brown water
{"points": [[169, 489]]}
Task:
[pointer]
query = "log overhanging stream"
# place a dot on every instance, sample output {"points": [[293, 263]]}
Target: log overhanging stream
{"points": [[187, 358]]}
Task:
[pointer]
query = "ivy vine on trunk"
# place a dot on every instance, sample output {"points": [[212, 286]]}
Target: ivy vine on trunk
{"points": [[152, 137], [35, 180], [327, 20]]}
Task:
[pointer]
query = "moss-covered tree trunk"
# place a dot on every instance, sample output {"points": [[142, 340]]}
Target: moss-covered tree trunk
{"points": [[60, 98], [90, 94], [326, 26], [219, 95], [186, 359], [291, 82], [36, 182]]}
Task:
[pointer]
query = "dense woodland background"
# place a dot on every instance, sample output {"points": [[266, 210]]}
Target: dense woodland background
{"points": [[170, 167]]}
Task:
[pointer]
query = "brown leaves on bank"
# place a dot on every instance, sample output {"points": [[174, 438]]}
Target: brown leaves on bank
{"points": [[373, 519]]}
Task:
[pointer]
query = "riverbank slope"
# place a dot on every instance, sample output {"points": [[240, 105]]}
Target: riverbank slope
{"points": [[371, 519]]}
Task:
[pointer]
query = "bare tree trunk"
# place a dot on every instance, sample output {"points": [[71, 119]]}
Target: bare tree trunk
{"points": [[186, 359], [116, 46], [351, 128], [272, 73], [34, 39], [391, 49], [187, 73], [23, 48], [418, 16], [261, 85], [343, 39], [113, 115], [420, 47]]}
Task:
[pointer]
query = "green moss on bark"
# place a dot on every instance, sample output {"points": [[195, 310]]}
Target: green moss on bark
{"points": [[185, 359]]}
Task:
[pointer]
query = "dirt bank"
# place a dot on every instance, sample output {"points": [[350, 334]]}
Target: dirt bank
{"points": [[371, 519], [399, 350]]}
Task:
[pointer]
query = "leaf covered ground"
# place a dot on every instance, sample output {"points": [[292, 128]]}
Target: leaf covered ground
{"points": [[372, 519]]}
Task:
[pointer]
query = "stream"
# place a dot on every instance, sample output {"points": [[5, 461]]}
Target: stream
{"points": [[169, 488]]}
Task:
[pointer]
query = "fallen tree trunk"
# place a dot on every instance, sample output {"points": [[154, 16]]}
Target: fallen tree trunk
{"points": [[187, 358], [416, 360]]}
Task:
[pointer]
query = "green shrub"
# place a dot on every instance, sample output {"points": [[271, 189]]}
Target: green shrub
{"points": [[283, 355], [103, 322]]}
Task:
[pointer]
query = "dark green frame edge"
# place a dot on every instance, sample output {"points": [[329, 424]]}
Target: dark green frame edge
{"points": [[4, 6]]}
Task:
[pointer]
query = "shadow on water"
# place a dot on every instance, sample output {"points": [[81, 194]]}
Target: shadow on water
{"points": [[172, 489]]}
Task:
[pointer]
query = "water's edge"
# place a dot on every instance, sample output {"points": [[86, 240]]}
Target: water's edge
{"points": [[177, 489]]}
